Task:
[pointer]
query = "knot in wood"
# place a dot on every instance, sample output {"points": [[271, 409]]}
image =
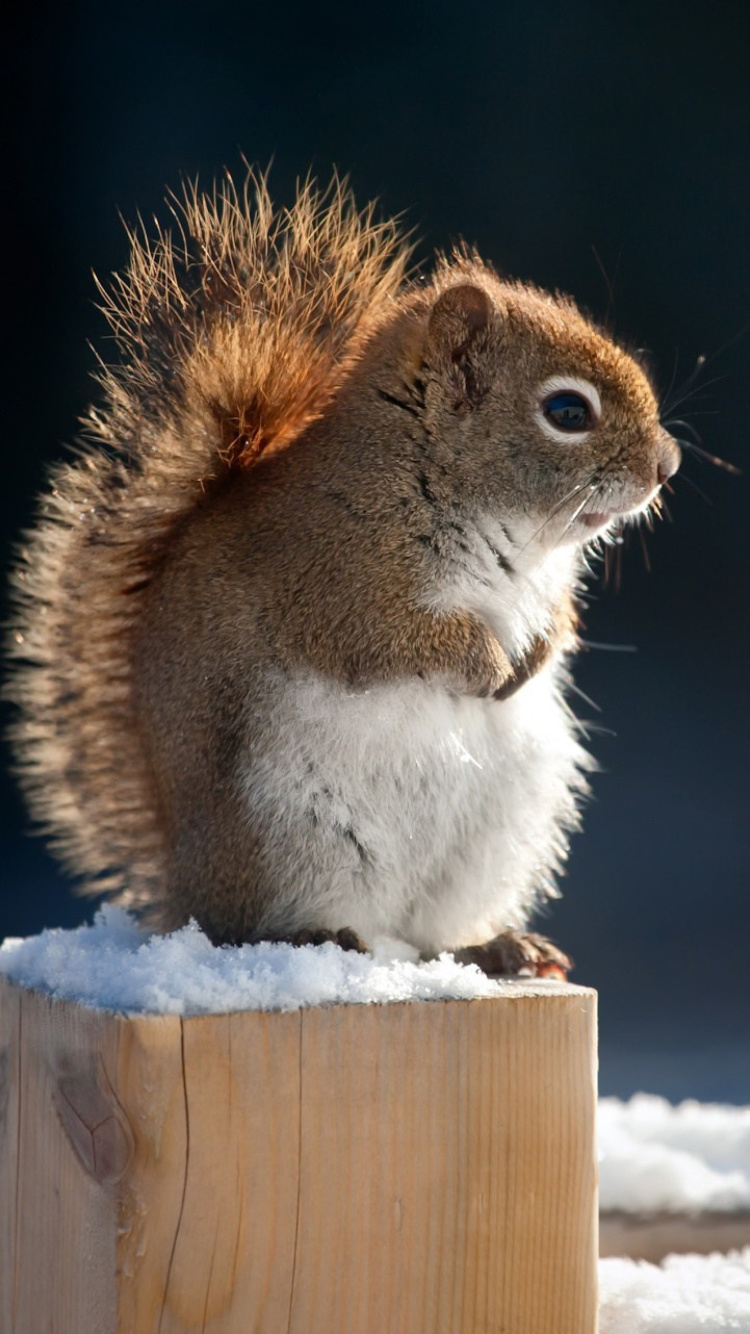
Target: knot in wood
{"points": [[94, 1124]]}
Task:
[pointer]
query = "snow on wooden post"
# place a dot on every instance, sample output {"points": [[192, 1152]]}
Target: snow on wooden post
{"points": [[419, 1168]]}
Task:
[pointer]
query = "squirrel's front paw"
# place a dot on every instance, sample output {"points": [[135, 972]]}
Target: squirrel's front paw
{"points": [[488, 676], [493, 687], [513, 954]]}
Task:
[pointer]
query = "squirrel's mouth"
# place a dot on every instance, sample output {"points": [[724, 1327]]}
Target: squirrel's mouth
{"points": [[592, 520]]}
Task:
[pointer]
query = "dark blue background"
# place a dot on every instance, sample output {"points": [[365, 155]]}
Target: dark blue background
{"points": [[540, 132]]}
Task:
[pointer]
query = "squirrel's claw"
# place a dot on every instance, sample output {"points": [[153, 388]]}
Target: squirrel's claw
{"points": [[512, 954], [346, 938]]}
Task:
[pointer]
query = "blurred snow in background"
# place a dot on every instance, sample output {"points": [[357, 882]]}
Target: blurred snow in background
{"points": [[656, 1157]]}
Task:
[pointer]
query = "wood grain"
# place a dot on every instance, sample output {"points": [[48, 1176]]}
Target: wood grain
{"points": [[58, 1233], [424, 1168]]}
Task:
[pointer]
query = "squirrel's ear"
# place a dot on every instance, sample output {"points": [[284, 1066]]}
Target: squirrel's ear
{"points": [[457, 339]]}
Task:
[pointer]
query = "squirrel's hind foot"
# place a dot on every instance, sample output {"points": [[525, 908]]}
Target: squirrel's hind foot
{"points": [[512, 954]]}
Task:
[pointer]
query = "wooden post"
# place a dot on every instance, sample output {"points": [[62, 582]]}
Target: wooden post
{"points": [[423, 1168]]}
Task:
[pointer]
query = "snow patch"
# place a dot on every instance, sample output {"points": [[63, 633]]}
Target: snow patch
{"points": [[686, 1294], [114, 964]]}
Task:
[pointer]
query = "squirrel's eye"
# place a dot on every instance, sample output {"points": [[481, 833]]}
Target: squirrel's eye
{"points": [[568, 411], [566, 408]]}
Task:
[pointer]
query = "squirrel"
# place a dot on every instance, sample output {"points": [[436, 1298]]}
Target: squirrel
{"points": [[293, 631]]}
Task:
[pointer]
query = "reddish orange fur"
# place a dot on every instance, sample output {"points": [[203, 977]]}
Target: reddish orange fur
{"points": [[235, 335]]}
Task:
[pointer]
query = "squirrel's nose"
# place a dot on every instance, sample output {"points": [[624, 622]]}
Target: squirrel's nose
{"points": [[668, 457]]}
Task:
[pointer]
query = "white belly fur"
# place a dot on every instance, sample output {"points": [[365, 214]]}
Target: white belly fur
{"points": [[408, 812]]}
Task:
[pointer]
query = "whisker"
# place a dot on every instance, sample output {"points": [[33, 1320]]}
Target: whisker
{"points": [[589, 728], [678, 421], [669, 403], [609, 283], [613, 559], [695, 487], [735, 338], [574, 491], [608, 558], [688, 395], [609, 648], [644, 548], [701, 453], [696, 412], [594, 491], [580, 509], [571, 685], [672, 378], [685, 390]]}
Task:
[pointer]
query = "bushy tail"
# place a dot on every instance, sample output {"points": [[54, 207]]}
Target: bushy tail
{"points": [[235, 330]]}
